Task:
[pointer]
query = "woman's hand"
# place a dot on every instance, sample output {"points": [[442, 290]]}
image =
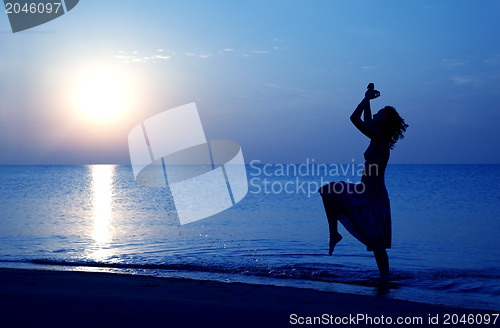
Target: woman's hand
{"points": [[371, 93]]}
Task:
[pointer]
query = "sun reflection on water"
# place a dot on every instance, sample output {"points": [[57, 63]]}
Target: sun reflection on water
{"points": [[102, 200]]}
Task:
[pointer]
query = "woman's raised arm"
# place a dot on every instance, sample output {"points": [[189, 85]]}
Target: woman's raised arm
{"points": [[364, 106]]}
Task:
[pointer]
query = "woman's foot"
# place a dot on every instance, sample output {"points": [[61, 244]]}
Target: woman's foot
{"points": [[334, 239]]}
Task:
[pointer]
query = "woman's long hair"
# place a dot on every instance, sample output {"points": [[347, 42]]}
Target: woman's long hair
{"points": [[394, 125]]}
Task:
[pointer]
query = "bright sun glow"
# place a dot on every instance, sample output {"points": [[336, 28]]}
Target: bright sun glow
{"points": [[102, 95]]}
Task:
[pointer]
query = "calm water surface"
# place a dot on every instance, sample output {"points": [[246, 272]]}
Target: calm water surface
{"points": [[96, 218]]}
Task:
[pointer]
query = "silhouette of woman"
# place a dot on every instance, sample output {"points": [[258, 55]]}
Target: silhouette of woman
{"points": [[364, 208]]}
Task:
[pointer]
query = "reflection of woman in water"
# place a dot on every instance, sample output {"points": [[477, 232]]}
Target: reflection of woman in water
{"points": [[364, 209]]}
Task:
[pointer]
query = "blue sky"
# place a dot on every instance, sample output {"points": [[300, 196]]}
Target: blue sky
{"points": [[279, 77]]}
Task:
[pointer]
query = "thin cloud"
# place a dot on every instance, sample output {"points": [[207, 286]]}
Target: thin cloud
{"points": [[452, 63], [167, 54], [137, 57], [461, 80], [493, 60], [122, 57]]}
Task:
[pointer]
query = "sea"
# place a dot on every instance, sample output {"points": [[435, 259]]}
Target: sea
{"points": [[445, 223]]}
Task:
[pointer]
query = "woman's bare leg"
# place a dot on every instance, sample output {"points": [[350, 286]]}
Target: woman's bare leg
{"points": [[382, 262], [335, 237]]}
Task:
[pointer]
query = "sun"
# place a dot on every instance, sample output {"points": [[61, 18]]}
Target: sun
{"points": [[102, 95]]}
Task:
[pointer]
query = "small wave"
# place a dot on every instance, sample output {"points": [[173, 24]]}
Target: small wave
{"points": [[479, 282], [332, 274]]}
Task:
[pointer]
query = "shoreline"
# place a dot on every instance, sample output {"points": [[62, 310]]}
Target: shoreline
{"points": [[45, 298]]}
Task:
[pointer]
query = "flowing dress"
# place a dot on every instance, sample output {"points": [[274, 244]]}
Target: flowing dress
{"points": [[363, 208]]}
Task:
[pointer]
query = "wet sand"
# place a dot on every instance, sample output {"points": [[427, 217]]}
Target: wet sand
{"points": [[36, 298]]}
